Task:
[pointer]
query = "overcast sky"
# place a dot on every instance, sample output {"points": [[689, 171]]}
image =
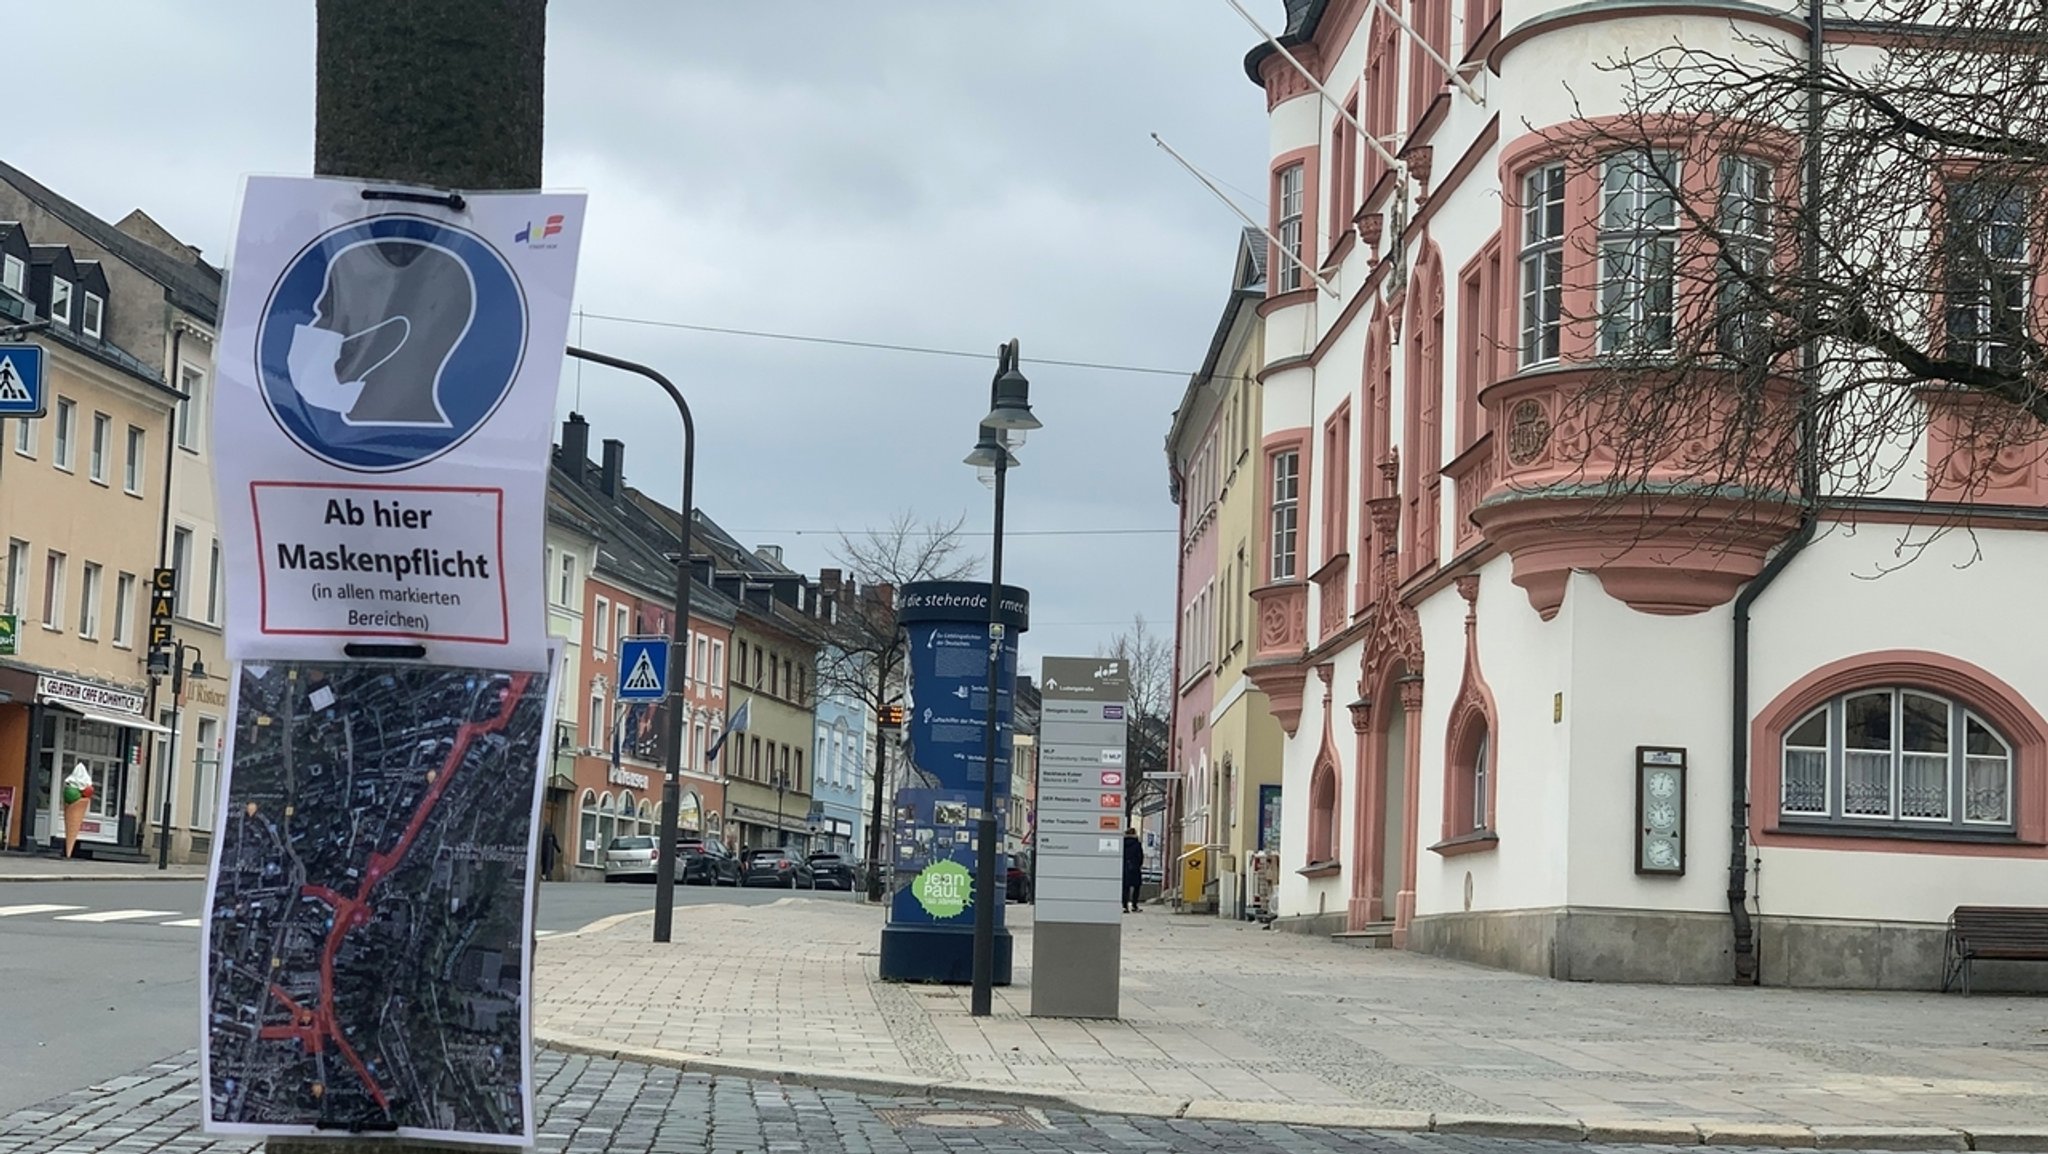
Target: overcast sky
{"points": [[938, 173]]}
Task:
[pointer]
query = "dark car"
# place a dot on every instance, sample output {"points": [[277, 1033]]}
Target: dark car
{"points": [[1019, 884], [706, 863], [831, 871], [778, 867]]}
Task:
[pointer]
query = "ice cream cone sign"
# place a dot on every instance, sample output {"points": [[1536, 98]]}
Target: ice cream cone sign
{"points": [[77, 795]]}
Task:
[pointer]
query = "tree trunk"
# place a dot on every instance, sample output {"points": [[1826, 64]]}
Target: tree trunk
{"points": [[436, 92]]}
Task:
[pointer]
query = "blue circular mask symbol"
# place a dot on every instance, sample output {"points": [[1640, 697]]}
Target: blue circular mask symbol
{"points": [[388, 341]]}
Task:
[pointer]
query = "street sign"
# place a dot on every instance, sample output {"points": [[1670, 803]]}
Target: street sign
{"points": [[21, 381], [10, 626], [163, 595], [644, 662]]}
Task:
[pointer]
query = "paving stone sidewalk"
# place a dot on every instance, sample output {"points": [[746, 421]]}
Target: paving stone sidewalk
{"points": [[1225, 1020], [16, 867], [599, 1106]]}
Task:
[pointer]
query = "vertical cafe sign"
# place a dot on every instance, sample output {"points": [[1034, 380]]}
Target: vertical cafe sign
{"points": [[384, 395]]}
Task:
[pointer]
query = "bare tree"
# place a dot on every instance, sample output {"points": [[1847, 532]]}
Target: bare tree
{"points": [[860, 655], [1148, 655], [1800, 261]]}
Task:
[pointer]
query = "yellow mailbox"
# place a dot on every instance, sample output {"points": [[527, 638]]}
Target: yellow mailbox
{"points": [[1194, 874]]}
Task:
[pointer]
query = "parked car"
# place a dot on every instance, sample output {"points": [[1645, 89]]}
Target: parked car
{"points": [[630, 858], [1018, 886], [706, 863], [832, 871], [778, 867]]}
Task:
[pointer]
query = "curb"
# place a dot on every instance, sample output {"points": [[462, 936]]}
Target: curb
{"points": [[152, 876], [1649, 1132]]}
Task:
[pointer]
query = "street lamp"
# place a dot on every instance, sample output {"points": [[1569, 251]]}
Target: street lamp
{"points": [[163, 832], [1008, 417], [678, 651]]}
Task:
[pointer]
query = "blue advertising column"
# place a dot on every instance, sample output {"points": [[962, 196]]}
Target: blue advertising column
{"points": [[930, 933]]}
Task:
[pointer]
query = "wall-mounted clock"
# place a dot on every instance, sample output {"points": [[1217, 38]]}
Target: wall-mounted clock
{"points": [[1660, 810]]}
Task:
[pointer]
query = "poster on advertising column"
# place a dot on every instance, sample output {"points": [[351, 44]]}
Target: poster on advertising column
{"points": [[385, 393]]}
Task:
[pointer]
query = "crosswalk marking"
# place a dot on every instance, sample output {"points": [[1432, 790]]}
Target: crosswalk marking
{"points": [[39, 908], [194, 922], [116, 915]]}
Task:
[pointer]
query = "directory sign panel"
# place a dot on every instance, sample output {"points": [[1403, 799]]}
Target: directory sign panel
{"points": [[1082, 789]]}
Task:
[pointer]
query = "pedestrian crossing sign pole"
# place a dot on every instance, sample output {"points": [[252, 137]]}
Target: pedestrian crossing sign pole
{"points": [[643, 669]]}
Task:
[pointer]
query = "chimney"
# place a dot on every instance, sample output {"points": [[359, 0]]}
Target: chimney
{"points": [[830, 579], [575, 446], [613, 479]]}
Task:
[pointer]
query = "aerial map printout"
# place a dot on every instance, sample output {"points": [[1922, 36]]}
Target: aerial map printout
{"points": [[368, 915]]}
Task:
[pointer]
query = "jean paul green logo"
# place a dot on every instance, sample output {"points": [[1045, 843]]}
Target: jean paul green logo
{"points": [[944, 889]]}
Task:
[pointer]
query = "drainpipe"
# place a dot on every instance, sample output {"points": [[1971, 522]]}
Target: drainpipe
{"points": [[1809, 498]]}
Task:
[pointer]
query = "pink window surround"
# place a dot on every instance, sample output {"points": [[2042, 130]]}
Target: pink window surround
{"points": [[1422, 438], [1382, 90], [1582, 147], [1336, 518], [1376, 446], [1294, 440], [1480, 15], [1479, 341], [1343, 154], [1473, 718], [1991, 698], [1311, 199], [1431, 18]]}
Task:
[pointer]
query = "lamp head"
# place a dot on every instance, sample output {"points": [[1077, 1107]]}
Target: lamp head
{"points": [[989, 451], [1012, 408]]}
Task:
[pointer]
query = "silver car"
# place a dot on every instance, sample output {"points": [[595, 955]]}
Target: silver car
{"points": [[630, 858]]}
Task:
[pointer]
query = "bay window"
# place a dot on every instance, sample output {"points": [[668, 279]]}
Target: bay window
{"points": [[1290, 224], [1745, 227], [1285, 512], [1638, 251], [1542, 263]]}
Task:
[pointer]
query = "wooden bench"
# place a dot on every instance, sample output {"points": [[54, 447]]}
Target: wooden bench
{"points": [[1998, 933]]}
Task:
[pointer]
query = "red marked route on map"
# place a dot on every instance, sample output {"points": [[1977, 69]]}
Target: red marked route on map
{"points": [[315, 1027]]}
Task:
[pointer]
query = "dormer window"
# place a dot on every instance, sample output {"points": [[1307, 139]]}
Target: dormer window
{"points": [[94, 312], [60, 300], [13, 273]]}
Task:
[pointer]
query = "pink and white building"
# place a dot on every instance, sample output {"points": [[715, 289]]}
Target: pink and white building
{"points": [[1516, 730]]}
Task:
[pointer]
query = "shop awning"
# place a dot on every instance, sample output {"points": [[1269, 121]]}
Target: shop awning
{"points": [[122, 720]]}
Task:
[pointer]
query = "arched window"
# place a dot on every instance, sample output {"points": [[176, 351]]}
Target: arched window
{"points": [[1899, 757], [647, 821], [1322, 815], [1479, 770], [607, 821], [587, 844]]}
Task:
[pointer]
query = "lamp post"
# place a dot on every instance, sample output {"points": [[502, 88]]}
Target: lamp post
{"points": [[163, 831], [678, 652], [1008, 417]]}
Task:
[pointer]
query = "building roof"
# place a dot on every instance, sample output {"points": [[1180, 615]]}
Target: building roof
{"points": [[192, 285], [1303, 17], [1248, 287]]}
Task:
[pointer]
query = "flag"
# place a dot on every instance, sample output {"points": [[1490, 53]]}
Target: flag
{"points": [[737, 723], [623, 722]]}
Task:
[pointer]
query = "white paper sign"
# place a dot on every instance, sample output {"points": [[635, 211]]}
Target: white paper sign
{"points": [[383, 417]]}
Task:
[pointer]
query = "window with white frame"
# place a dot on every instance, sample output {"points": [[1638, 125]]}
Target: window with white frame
{"points": [[1989, 268], [1745, 227], [1638, 251], [181, 570], [67, 426], [599, 734], [622, 622], [565, 587], [191, 410], [205, 771], [60, 300], [718, 664], [13, 274], [600, 629], [586, 829], [124, 610], [1284, 530], [1897, 758], [213, 585], [138, 450], [17, 574], [25, 437], [700, 662], [89, 321], [1482, 773], [1290, 225], [53, 590], [89, 602], [102, 438], [1542, 263]]}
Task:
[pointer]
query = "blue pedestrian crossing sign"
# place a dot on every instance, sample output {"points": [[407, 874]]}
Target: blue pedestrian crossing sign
{"points": [[21, 381], [643, 668]]}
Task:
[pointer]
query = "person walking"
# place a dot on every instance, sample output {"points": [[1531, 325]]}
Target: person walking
{"points": [[1134, 869], [550, 851]]}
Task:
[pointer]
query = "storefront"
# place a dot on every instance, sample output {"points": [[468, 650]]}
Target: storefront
{"points": [[101, 728]]}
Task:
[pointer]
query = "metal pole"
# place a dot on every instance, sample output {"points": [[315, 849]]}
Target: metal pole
{"points": [[678, 651], [875, 811], [983, 997], [163, 831]]}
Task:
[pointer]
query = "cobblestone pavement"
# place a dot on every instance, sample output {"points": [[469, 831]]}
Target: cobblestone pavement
{"points": [[1223, 1017], [598, 1106]]}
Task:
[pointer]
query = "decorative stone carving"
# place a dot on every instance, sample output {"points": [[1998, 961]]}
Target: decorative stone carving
{"points": [[1528, 432]]}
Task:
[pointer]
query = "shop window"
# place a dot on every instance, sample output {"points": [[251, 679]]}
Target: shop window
{"points": [[586, 829]]}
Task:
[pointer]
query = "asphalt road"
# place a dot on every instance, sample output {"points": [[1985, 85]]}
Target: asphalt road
{"points": [[82, 1001]]}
